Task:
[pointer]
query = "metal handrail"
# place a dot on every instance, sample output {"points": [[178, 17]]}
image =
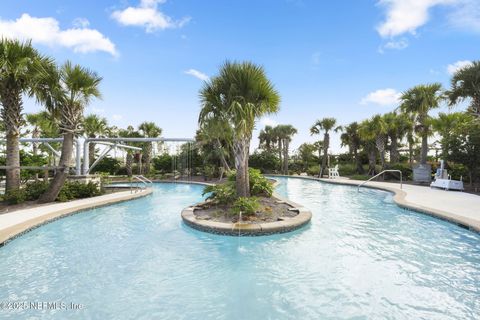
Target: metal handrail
{"points": [[401, 179], [144, 179]]}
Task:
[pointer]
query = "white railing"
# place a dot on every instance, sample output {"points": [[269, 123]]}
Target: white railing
{"points": [[144, 181], [401, 178]]}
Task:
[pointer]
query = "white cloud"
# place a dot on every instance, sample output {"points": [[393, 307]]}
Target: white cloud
{"points": [[147, 15], [46, 31], [97, 110], [81, 23], [406, 16], [197, 74], [117, 117], [383, 97], [466, 15], [454, 67], [268, 122]]}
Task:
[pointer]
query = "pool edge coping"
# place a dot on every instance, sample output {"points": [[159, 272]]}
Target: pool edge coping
{"points": [[399, 199], [10, 233]]}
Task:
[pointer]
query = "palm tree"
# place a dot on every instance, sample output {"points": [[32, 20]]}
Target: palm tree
{"points": [[69, 90], [397, 126], [326, 124], [219, 134], [286, 132], [465, 84], [239, 95], [445, 125], [148, 130], [267, 138], [94, 126], [418, 101], [368, 133], [277, 141], [351, 138], [21, 69]]}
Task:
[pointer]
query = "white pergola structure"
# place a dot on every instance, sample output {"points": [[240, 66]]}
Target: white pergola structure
{"points": [[116, 142]]}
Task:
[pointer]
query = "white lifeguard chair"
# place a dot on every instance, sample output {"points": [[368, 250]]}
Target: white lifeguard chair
{"points": [[333, 172]]}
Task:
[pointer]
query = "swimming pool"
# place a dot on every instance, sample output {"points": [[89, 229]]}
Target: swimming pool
{"points": [[361, 256]]}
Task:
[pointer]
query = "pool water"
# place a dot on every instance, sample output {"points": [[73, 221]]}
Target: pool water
{"points": [[360, 257]]}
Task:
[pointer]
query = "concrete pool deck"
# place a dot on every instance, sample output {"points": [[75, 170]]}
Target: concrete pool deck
{"points": [[458, 207], [15, 223]]}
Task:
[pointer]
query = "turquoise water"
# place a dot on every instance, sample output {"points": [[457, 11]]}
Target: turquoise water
{"points": [[361, 257]]}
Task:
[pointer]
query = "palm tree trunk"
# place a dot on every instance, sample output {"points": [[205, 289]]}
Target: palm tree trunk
{"points": [[128, 163], [280, 154], [394, 155], [148, 152], [285, 156], [62, 172], [91, 151], [372, 161], [222, 155], [12, 117], [358, 162], [241, 164], [326, 142], [423, 157], [13, 160]]}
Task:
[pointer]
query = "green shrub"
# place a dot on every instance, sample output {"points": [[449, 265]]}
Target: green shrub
{"points": [[33, 190], [221, 193], [78, 190], [407, 172], [264, 161], [347, 169], [259, 185], [163, 162], [108, 165], [15, 196], [247, 206], [313, 170]]}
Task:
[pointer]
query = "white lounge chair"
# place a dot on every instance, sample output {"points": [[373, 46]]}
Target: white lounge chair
{"points": [[333, 172]]}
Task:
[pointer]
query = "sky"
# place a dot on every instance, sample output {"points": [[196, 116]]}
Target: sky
{"points": [[346, 59]]}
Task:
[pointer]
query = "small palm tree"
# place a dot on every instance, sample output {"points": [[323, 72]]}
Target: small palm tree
{"points": [[21, 69], [148, 130], [368, 133], [239, 95], [397, 126], [68, 90], [466, 85], [417, 102], [351, 138], [325, 125], [266, 138], [94, 127], [219, 134], [286, 132]]}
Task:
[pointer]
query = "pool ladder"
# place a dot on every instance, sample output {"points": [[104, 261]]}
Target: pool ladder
{"points": [[365, 182], [144, 181]]}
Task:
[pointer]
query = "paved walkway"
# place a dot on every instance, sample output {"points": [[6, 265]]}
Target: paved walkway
{"points": [[20, 221], [459, 207]]}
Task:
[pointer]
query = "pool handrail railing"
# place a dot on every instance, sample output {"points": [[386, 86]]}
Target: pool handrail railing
{"points": [[389, 170]]}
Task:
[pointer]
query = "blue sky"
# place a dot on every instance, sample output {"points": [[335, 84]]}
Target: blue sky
{"points": [[346, 59]]}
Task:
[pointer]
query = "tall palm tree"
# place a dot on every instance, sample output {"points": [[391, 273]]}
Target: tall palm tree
{"points": [[21, 69], [94, 127], [465, 84], [277, 141], [148, 130], [397, 126], [445, 125], [69, 90], [286, 132], [239, 95], [325, 125], [418, 101], [351, 138]]}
